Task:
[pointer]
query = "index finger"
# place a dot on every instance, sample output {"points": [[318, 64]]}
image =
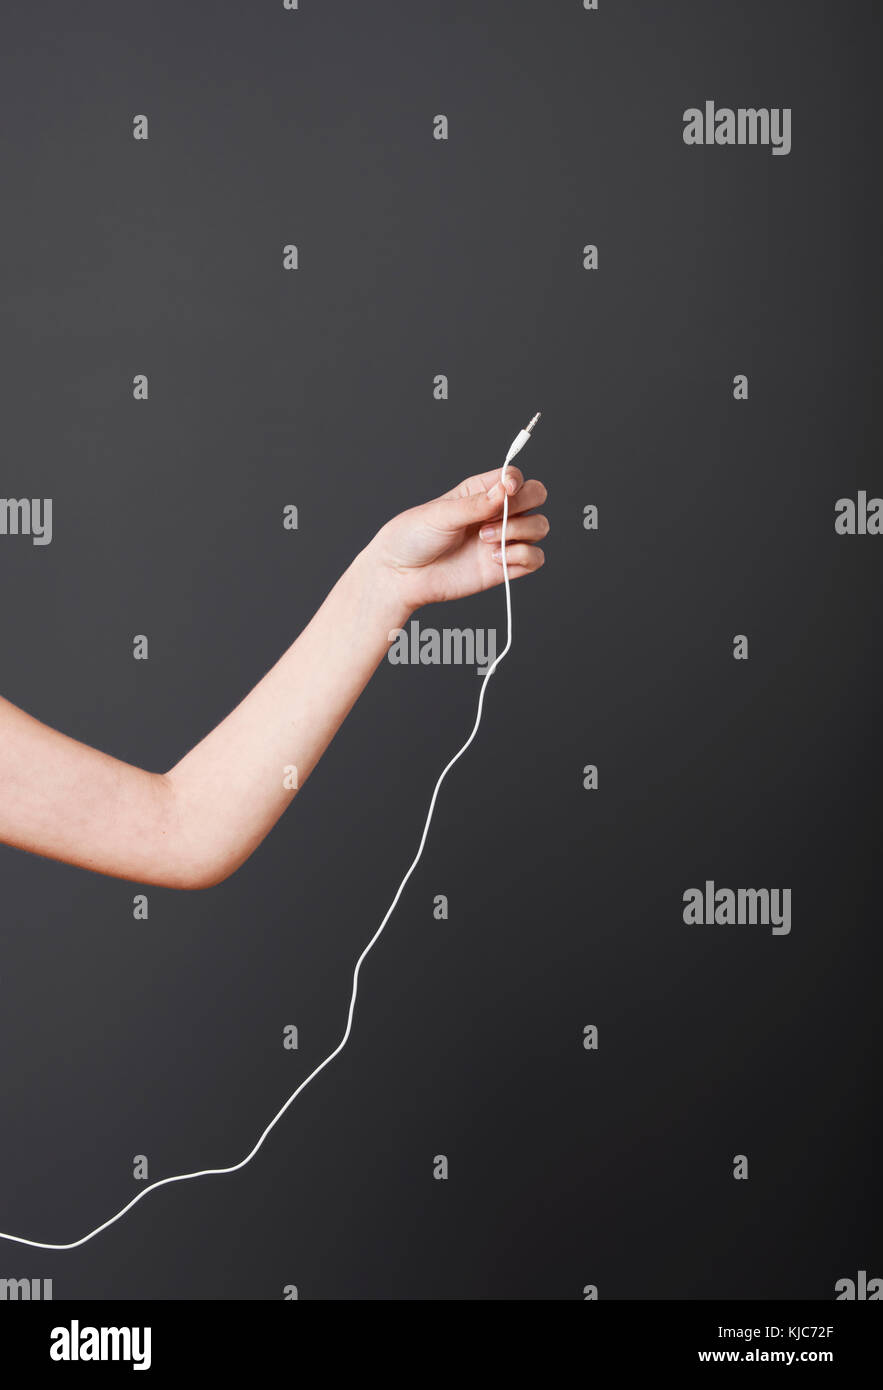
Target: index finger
{"points": [[483, 482]]}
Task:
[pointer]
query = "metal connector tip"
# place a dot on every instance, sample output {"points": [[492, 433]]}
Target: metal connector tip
{"points": [[533, 421]]}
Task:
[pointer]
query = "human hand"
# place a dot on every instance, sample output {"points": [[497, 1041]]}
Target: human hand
{"points": [[450, 547]]}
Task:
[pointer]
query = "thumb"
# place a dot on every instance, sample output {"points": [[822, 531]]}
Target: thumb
{"points": [[457, 513]]}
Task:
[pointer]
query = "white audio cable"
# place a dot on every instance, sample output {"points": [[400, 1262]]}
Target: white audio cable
{"points": [[516, 446]]}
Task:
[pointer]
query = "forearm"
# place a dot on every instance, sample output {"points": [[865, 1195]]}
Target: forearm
{"points": [[230, 789], [192, 826]]}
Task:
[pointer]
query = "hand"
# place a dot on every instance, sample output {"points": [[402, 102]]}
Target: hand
{"points": [[451, 547]]}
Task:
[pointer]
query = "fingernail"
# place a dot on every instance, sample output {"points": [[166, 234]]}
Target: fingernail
{"points": [[511, 484], [488, 533], [495, 493], [497, 555]]}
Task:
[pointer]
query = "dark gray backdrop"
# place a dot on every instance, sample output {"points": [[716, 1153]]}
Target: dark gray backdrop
{"points": [[315, 388]]}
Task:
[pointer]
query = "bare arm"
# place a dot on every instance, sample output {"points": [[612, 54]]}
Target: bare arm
{"points": [[194, 825]]}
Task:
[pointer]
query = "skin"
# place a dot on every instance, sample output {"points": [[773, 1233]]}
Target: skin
{"points": [[193, 826]]}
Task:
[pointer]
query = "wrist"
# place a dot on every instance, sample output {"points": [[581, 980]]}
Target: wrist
{"points": [[384, 586]]}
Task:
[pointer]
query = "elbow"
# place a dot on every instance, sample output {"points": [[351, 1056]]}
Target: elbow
{"points": [[193, 855], [196, 879], [197, 874]]}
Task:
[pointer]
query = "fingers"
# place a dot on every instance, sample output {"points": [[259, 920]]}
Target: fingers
{"points": [[453, 513], [518, 528], [514, 481], [522, 556], [529, 495], [520, 559], [483, 482]]}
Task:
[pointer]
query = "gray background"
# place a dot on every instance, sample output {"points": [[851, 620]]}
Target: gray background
{"points": [[315, 388]]}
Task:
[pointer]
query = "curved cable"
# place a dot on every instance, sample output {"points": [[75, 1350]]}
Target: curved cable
{"points": [[517, 444]]}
